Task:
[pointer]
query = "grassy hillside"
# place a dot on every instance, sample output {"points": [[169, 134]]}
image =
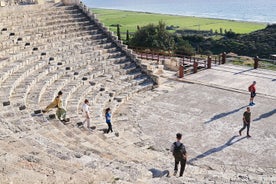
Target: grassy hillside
{"points": [[129, 21], [260, 43]]}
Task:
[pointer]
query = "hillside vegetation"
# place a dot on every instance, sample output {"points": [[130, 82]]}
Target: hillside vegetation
{"points": [[191, 35], [260, 43]]}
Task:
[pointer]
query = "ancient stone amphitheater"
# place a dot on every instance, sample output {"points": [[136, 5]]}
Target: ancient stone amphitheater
{"points": [[44, 49], [50, 47]]}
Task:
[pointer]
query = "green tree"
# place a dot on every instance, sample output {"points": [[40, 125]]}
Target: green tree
{"points": [[127, 36], [154, 37], [118, 32]]}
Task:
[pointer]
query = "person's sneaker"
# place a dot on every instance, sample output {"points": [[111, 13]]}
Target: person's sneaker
{"points": [[253, 103], [240, 133], [250, 104], [175, 172], [80, 124]]}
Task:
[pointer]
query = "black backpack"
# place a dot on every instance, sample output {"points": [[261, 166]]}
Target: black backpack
{"points": [[177, 152]]}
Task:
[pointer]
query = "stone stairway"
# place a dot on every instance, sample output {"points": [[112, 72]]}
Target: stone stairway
{"points": [[44, 49], [49, 48]]}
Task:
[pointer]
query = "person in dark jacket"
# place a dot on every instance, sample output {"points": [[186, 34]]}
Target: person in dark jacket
{"points": [[180, 155]]}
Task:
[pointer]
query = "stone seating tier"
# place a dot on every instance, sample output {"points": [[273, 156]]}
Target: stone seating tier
{"points": [[38, 60], [23, 11], [14, 56]]}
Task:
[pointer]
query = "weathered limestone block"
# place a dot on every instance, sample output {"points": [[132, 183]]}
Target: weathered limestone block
{"points": [[6, 103], [37, 111], [40, 1], [2, 3], [22, 107]]}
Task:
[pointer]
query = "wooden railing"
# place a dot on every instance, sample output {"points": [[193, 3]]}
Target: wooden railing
{"points": [[185, 63]]}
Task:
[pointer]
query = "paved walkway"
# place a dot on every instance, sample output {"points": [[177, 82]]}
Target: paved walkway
{"points": [[207, 108], [237, 78]]}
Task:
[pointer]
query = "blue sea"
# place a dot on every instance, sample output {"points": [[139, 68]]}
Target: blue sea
{"points": [[243, 10]]}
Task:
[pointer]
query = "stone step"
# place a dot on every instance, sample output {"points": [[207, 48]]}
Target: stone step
{"points": [[79, 59]]}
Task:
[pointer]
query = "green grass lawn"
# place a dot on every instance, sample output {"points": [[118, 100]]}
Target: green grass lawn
{"points": [[129, 21]]}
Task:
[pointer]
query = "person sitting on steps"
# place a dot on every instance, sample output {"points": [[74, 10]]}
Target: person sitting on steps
{"points": [[57, 103]]}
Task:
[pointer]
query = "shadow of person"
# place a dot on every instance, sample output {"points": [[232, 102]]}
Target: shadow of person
{"points": [[230, 142], [265, 115], [158, 173], [221, 115], [243, 71], [273, 79]]}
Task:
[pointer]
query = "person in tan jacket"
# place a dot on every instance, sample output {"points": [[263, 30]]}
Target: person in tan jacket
{"points": [[57, 103]]}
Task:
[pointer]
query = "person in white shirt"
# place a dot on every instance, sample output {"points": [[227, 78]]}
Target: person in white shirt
{"points": [[85, 110]]}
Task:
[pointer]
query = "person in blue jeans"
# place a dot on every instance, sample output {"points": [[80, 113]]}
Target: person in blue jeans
{"points": [[108, 120]]}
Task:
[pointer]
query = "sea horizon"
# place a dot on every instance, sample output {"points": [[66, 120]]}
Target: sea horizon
{"points": [[259, 11]]}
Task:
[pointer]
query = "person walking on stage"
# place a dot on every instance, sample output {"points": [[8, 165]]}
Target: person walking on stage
{"points": [[246, 121], [252, 90]]}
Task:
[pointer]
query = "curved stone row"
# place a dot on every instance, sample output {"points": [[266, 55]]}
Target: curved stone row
{"points": [[67, 52]]}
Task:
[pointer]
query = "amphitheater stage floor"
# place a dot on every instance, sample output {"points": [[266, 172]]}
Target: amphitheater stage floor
{"points": [[207, 108]]}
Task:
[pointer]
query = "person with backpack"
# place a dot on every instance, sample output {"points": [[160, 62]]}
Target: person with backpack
{"points": [[180, 155], [252, 90]]}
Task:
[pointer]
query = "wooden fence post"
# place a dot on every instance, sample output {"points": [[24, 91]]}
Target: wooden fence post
{"points": [[195, 66], [209, 62], [223, 58], [181, 71], [256, 62]]}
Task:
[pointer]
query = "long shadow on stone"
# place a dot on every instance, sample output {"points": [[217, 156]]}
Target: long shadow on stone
{"points": [[273, 79], [104, 130], [217, 149], [243, 71], [221, 115], [265, 115]]}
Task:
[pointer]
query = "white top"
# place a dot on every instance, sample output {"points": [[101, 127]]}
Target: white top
{"points": [[85, 108]]}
